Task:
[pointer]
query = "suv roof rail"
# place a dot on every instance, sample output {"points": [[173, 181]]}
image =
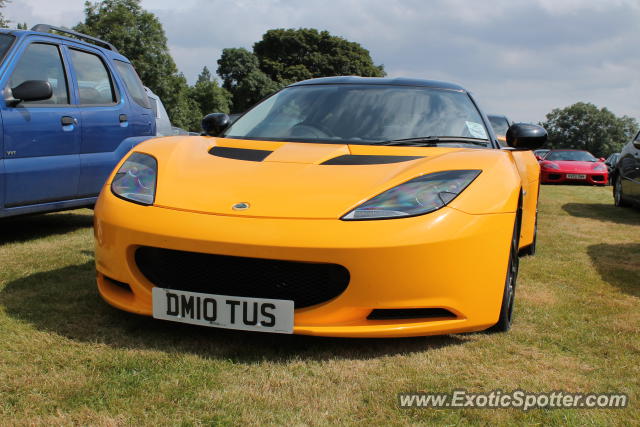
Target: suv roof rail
{"points": [[46, 28]]}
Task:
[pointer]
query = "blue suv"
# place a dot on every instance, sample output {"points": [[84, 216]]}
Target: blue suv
{"points": [[71, 108]]}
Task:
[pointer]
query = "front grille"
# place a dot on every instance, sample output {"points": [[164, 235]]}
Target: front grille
{"points": [[305, 283]]}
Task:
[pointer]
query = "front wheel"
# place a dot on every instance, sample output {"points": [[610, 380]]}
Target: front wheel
{"points": [[509, 293], [618, 196]]}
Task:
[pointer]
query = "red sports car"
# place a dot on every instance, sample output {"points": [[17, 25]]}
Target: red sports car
{"points": [[573, 166]]}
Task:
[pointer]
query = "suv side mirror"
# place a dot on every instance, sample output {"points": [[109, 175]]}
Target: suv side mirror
{"points": [[525, 136], [213, 124], [32, 90]]}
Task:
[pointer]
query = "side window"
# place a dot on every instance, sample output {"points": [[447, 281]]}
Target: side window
{"points": [[42, 61], [94, 82], [133, 83]]}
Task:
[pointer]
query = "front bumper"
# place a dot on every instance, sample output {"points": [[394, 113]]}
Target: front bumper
{"points": [[553, 176], [447, 259]]}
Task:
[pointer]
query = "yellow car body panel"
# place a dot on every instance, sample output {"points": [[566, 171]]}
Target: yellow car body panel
{"points": [[295, 208]]}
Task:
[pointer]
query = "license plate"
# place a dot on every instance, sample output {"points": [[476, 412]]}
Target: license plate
{"points": [[222, 311], [576, 176]]}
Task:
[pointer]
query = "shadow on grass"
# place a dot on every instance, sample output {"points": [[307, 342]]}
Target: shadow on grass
{"points": [[66, 302], [25, 228], [603, 212], [618, 265]]}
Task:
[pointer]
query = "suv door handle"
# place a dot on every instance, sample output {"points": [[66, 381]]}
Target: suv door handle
{"points": [[123, 118], [67, 121]]}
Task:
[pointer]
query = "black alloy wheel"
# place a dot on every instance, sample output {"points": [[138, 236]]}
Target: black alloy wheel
{"points": [[508, 296]]}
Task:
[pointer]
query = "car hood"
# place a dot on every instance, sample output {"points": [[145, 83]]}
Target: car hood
{"points": [[573, 166], [293, 180]]}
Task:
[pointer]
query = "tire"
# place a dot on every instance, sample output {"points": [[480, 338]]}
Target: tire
{"points": [[509, 292], [618, 196]]}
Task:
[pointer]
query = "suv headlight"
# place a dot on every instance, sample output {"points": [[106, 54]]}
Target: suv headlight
{"points": [[419, 196], [136, 179]]}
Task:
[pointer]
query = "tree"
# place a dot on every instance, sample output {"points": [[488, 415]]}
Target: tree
{"points": [[583, 126], [242, 77], [289, 55], [4, 23], [139, 36], [209, 96], [286, 56]]}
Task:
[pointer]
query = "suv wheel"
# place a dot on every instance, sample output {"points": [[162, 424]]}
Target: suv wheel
{"points": [[618, 196]]}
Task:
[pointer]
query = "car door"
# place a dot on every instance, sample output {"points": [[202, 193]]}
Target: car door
{"points": [[41, 138], [105, 116]]}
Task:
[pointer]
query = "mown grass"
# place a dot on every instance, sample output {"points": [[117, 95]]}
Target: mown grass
{"points": [[68, 358]]}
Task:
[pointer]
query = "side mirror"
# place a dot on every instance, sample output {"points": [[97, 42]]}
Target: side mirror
{"points": [[213, 124], [32, 90], [526, 136]]}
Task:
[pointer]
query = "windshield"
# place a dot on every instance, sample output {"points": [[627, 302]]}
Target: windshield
{"points": [[360, 114], [499, 124], [574, 156], [5, 43]]}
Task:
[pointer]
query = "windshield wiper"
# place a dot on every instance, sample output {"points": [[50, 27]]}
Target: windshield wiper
{"points": [[432, 141]]}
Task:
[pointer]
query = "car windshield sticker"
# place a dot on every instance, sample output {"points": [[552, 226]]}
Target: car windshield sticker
{"points": [[476, 130]]}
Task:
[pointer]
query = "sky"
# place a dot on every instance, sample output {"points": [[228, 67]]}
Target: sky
{"points": [[521, 58]]}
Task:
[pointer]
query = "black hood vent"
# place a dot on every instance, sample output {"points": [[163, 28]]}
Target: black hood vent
{"points": [[247, 154], [367, 159]]}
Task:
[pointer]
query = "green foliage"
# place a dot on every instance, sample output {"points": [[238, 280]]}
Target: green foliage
{"points": [[583, 126], [139, 36], [289, 55], [242, 77], [209, 96], [234, 65], [286, 56]]}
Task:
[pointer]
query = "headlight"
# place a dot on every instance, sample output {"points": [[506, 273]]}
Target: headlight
{"points": [[599, 167], [419, 196], [550, 166], [136, 179]]}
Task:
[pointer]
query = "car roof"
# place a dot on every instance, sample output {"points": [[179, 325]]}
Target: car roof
{"points": [[394, 81], [23, 33]]}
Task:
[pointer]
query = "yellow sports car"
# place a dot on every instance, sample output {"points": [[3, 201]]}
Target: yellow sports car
{"points": [[344, 206]]}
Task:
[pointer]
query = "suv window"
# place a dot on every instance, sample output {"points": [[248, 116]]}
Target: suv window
{"points": [[94, 82], [42, 61], [6, 41], [133, 83]]}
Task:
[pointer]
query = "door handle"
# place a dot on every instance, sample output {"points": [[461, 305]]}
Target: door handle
{"points": [[68, 120], [123, 118]]}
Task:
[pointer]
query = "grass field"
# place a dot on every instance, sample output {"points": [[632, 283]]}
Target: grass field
{"points": [[68, 358]]}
